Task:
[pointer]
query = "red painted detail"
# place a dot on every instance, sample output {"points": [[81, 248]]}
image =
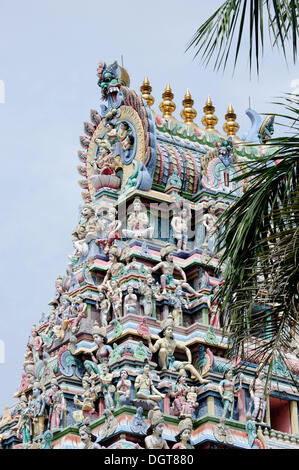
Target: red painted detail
{"points": [[161, 164], [195, 171], [241, 405], [280, 415], [177, 160]]}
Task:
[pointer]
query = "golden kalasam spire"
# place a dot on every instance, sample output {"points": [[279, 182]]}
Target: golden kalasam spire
{"points": [[167, 107], [146, 92], [188, 113], [209, 120], [230, 127]]}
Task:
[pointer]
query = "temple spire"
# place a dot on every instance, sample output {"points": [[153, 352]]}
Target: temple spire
{"points": [[146, 90], [209, 120], [188, 113], [167, 107], [230, 127]]}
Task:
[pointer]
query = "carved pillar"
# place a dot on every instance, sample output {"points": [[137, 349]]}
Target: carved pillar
{"points": [[294, 417], [211, 405]]}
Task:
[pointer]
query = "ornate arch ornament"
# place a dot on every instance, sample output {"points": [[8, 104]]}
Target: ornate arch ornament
{"points": [[120, 143]]}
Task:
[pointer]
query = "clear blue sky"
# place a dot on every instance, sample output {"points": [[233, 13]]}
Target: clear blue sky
{"points": [[49, 52]]}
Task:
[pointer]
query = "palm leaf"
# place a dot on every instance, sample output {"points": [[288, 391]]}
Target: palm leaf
{"points": [[215, 37], [259, 246]]}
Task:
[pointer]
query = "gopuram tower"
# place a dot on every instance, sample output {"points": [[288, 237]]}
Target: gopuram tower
{"points": [[131, 354]]}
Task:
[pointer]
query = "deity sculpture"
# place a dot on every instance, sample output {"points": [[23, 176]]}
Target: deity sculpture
{"points": [[77, 312], [130, 301], [179, 393], [210, 224], [166, 347], [124, 388], [190, 403], [114, 294], [144, 387], [138, 424], [110, 424], [112, 231], [169, 268], [138, 222], [56, 402], [103, 305], [35, 344], [89, 395], [88, 439], [258, 396], [38, 404], [227, 389], [115, 267], [79, 243], [25, 415], [147, 300], [183, 437], [106, 387], [103, 350], [154, 439], [179, 225]]}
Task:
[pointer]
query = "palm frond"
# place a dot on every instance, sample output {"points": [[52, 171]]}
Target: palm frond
{"points": [[259, 246], [214, 38]]}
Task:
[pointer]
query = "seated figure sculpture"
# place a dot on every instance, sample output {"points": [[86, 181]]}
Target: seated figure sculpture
{"points": [[144, 387], [166, 345], [138, 222], [169, 268]]}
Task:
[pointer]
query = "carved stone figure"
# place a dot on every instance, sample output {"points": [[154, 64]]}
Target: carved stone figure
{"points": [[114, 294], [103, 305], [166, 347], [103, 350], [88, 439], [183, 437], [124, 388], [110, 424], [56, 402], [258, 396], [169, 268], [138, 222], [227, 390], [179, 225], [38, 405], [144, 387], [210, 223], [115, 267], [88, 396], [178, 393], [148, 300], [112, 231], [190, 404], [130, 301], [107, 388], [138, 424], [25, 416], [154, 439], [35, 344]]}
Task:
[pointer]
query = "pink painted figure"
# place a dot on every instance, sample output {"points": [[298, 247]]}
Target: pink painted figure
{"points": [[55, 400], [179, 394], [35, 344]]}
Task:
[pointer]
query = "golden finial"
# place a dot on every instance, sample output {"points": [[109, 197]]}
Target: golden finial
{"points": [[167, 106], [188, 113], [146, 92], [230, 127], [209, 120]]}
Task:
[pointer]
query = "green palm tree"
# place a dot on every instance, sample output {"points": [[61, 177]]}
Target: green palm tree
{"points": [[259, 246], [259, 238]]}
